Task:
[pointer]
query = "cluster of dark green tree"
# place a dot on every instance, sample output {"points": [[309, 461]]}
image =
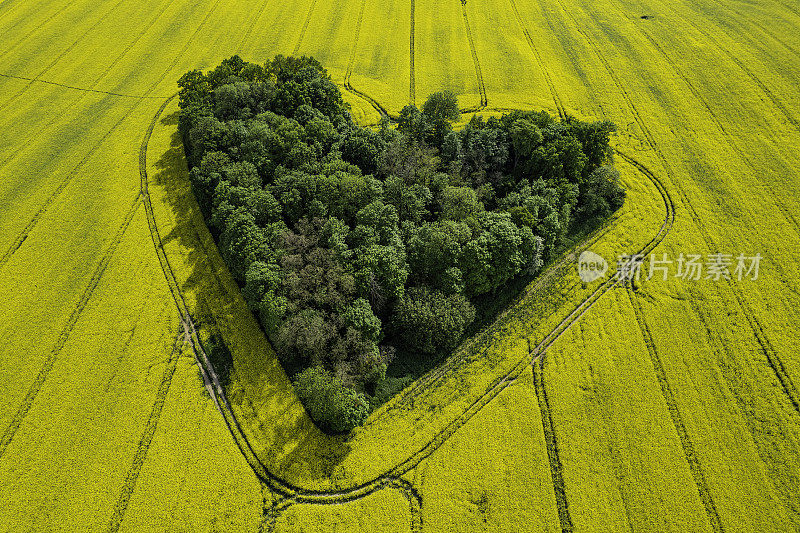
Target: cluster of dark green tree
{"points": [[353, 245]]}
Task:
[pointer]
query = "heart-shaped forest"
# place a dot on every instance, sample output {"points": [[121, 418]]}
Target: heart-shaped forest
{"points": [[369, 253]]}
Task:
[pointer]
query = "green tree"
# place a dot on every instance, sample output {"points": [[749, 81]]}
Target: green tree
{"points": [[430, 322], [360, 317], [439, 111], [413, 124], [601, 194], [241, 243], [334, 407], [434, 252], [459, 203]]}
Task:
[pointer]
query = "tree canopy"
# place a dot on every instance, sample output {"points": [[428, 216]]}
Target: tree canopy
{"points": [[353, 245]]}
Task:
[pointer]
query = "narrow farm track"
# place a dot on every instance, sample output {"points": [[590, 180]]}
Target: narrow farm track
{"points": [[677, 420], [351, 62], [392, 476], [47, 366]]}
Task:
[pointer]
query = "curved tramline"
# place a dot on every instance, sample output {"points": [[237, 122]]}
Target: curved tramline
{"points": [[392, 477]]}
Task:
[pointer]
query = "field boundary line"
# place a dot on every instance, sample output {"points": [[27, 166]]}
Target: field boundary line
{"points": [[80, 88], [62, 54], [32, 223], [91, 89], [140, 456], [47, 366]]}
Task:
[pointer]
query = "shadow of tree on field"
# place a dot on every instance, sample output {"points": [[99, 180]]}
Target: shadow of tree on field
{"points": [[280, 432]]}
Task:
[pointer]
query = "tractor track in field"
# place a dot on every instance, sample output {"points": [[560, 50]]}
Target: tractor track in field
{"points": [[739, 16], [689, 451], [688, 447], [305, 27], [767, 349], [721, 127], [289, 494], [452, 363], [556, 468], [140, 456], [773, 359], [91, 88], [252, 26], [747, 410], [540, 63], [755, 79], [66, 331], [37, 28], [351, 63], [412, 96], [475, 62]]}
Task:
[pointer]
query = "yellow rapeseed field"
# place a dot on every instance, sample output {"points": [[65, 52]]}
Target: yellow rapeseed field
{"points": [[662, 405]]}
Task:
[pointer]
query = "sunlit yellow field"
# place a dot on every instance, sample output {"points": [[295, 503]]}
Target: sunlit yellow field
{"points": [[669, 405]]}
